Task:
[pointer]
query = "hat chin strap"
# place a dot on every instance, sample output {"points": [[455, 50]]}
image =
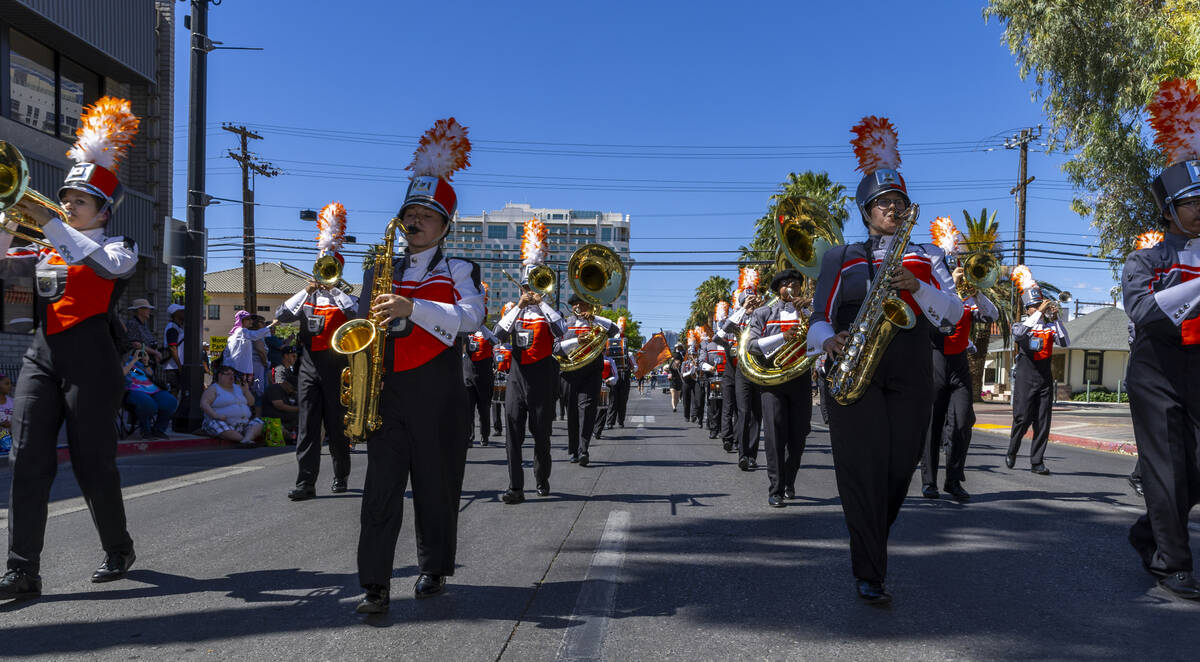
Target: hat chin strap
{"points": [[1175, 220]]}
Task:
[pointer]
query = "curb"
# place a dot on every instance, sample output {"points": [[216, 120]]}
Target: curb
{"points": [[1106, 445], [160, 446]]}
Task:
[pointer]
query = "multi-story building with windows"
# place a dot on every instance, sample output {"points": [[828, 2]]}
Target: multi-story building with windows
{"points": [[493, 239]]}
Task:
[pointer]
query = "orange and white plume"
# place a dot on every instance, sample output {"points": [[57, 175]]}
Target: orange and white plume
{"points": [[701, 334], [533, 242], [945, 235], [621, 324], [1175, 118], [442, 151], [507, 307], [105, 132], [874, 144], [1023, 277], [486, 290], [748, 279], [721, 311], [331, 228], [1148, 240], [691, 339]]}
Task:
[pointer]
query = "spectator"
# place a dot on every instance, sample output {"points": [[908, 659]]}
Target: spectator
{"points": [[6, 411], [226, 405], [173, 349], [274, 345], [151, 403], [262, 368], [239, 350], [139, 330], [287, 361], [280, 401]]}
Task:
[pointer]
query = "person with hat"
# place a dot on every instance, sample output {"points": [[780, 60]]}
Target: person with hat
{"points": [[71, 373], [139, 330], [173, 348], [479, 373], [786, 407], [320, 310], [583, 384], [533, 326], [714, 362], [699, 384], [877, 438], [626, 364], [724, 344], [435, 301], [687, 371], [1161, 285], [746, 392], [1033, 382], [503, 357]]}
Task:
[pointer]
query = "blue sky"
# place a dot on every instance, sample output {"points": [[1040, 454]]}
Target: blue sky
{"points": [[684, 115]]}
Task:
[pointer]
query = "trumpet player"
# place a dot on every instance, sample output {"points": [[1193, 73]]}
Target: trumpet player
{"points": [[320, 308], [700, 384], [786, 407], [687, 371], [583, 384], [727, 342], [1035, 337], [714, 363]]}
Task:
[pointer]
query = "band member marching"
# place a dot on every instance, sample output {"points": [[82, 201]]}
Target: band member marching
{"points": [[481, 362], [532, 326], [1035, 337], [1162, 296], [71, 374], [626, 364], [608, 381], [727, 341], [583, 384], [503, 356], [880, 395], [432, 300], [687, 372], [714, 362], [700, 385], [321, 307], [749, 404], [952, 376]]}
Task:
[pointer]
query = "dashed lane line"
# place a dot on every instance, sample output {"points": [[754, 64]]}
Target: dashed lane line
{"points": [[597, 597]]}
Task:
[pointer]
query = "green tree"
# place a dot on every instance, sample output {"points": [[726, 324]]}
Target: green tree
{"points": [[708, 293], [1096, 65], [817, 187], [633, 328], [178, 285]]}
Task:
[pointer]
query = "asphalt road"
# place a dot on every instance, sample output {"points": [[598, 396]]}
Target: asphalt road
{"points": [[660, 550]]}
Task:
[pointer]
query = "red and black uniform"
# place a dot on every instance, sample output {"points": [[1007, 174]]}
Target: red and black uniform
{"points": [[71, 374], [952, 394], [714, 362], [503, 357], [608, 380], [687, 372], [626, 364], [319, 381], [478, 373], [424, 414], [582, 385], [1162, 297], [532, 331], [786, 407], [877, 440], [727, 340], [746, 392], [1033, 383]]}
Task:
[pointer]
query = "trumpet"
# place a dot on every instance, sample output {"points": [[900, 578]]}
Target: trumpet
{"points": [[14, 188], [541, 280], [981, 270], [327, 272]]}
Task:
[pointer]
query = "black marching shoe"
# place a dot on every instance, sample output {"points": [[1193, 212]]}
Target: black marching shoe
{"points": [[302, 494], [789, 493], [483, 442], [338, 486], [1136, 484], [712, 435], [1182, 584], [20, 585], [1040, 470], [775, 501], [744, 463], [728, 446], [930, 492], [375, 601], [753, 463], [1145, 551], [573, 457], [543, 489], [583, 459], [873, 593], [1010, 460], [115, 566], [428, 586], [512, 496], [955, 490]]}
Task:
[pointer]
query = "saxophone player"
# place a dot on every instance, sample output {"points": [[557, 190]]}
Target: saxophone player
{"points": [[786, 407], [432, 300], [583, 384], [877, 438]]}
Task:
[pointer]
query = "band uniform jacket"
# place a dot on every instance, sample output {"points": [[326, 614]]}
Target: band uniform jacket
{"points": [[577, 326], [976, 308], [320, 313], [713, 358], [1035, 340], [532, 330]]}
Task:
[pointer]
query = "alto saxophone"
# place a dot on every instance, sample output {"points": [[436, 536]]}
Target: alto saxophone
{"points": [[363, 341], [880, 316]]}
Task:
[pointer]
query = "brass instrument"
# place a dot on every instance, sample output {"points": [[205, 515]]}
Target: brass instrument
{"points": [[327, 272], [541, 280], [880, 316], [14, 187], [1055, 308], [363, 341], [805, 234], [981, 270], [596, 274]]}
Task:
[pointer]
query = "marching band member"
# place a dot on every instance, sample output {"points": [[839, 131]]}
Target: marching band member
{"points": [[1035, 338], [1162, 295], [727, 341], [700, 385], [786, 407], [72, 372], [320, 311], [533, 326], [687, 372], [434, 299], [481, 362], [877, 439], [583, 384], [503, 356], [749, 404], [626, 365], [608, 380], [713, 363], [952, 378]]}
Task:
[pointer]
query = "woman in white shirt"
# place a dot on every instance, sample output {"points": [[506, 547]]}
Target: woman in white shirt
{"points": [[226, 406]]}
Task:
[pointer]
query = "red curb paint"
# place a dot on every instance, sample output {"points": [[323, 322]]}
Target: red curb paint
{"points": [[159, 446]]}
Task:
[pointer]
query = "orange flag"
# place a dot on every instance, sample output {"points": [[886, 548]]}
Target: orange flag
{"points": [[652, 355]]}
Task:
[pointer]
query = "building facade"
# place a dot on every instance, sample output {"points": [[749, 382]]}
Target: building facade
{"points": [[57, 57], [493, 239]]}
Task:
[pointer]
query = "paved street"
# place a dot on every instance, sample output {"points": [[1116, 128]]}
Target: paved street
{"points": [[660, 550]]}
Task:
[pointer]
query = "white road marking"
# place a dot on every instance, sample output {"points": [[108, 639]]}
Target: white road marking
{"points": [[640, 419], [597, 597]]}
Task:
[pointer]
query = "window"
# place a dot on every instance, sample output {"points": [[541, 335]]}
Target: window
{"points": [[77, 87], [45, 86], [497, 232], [1093, 367], [606, 234], [264, 309], [214, 311]]}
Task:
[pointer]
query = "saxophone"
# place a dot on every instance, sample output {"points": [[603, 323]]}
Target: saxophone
{"points": [[880, 316], [363, 341]]}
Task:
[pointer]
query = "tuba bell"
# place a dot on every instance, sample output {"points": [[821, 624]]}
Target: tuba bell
{"points": [[14, 188], [596, 274]]}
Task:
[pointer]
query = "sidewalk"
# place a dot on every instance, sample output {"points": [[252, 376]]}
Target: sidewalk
{"points": [[1098, 426]]}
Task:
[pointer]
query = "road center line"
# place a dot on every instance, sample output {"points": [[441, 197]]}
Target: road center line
{"points": [[597, 597]]}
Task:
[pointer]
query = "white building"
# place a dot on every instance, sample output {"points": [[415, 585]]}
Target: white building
{"points": [[493, 240]]}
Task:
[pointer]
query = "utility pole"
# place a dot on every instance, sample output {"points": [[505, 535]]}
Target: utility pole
{"points": [[1021, 141], [193, 368], [250, 164]]}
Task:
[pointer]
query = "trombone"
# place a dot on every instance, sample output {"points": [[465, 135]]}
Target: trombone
{"points": [[541, 280], [14, 188]]}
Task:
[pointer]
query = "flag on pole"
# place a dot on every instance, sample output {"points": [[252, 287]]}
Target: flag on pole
{"points": [[652, 354]]}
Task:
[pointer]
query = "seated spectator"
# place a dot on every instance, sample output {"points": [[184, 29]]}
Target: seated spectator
{"points": [[152, 404], [140, 331], [226, 405], [280, 401]]}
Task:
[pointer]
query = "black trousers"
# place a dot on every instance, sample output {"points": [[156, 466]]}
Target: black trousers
{"points": [[602, 409], [876, 442], [319, 380], [423, 436], [583, 396], [530, 397], [787, 420], [1032, 403], [953, 416], [699, 398], [618, 400], [715, 407], [749, 417], [729, 406], [561, 396], [73, 377], [689, 384], [479, 398], [498, 413], [1164, 402]]}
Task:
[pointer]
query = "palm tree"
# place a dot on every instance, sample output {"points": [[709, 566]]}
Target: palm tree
{"points": [[816, 186], [708, 293]]}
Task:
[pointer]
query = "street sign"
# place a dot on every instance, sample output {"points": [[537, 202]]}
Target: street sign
{"points": [[216, 345]]}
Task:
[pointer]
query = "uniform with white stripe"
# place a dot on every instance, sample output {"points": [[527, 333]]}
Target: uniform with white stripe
{"points": [[582, 385], [1032, 382]]}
